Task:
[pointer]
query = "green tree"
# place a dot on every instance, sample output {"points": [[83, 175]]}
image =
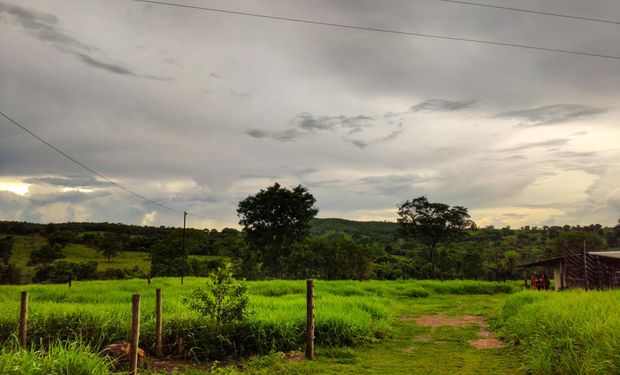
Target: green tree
{"points": [[511, 258], [46, 254], [574, 241], [6, 248], [274, 219], [110, 245], [10, 274], [167, 259], [333, 257], [224, 300], [432, 223]]}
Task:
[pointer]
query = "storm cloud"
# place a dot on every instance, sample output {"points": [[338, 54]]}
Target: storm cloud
{"points": [[46, 27], [365, 120]]}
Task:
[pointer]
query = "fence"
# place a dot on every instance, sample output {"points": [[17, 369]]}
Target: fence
{"points": [[158, 350]]}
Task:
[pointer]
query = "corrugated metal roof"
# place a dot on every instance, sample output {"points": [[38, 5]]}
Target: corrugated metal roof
{"points": [[553, 261], [543, 263], [606, 254]]}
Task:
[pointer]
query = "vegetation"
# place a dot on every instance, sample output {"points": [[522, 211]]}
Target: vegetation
{"points": [[46, 254], [6, 248], [432, 223], [275, 219], [224, 300], [333, 257], [565, 333], [98, 313], [71, 358], [110, 245]]}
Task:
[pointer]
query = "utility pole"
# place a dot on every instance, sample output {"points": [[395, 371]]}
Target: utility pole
{"points": [[184, 256]]}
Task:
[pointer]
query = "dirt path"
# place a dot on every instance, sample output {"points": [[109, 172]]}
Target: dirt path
{"points": [[435, 335], [486, 340]]}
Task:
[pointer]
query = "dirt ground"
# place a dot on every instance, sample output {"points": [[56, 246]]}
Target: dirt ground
{"points": [[487, 338]]}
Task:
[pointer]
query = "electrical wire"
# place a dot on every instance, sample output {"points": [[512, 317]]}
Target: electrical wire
{"points": [[374, 29], [531, 11], [74, 160]]}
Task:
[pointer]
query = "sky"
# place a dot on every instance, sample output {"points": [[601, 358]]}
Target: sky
{"points": [[196, 110]]}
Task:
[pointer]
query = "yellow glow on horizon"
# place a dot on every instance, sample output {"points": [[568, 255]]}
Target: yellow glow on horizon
{"points": [[18, 188]]}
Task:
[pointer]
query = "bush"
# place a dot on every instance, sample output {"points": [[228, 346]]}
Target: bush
{"points": [[224, 300], [46, 254], [62, 271], [10, 274]]}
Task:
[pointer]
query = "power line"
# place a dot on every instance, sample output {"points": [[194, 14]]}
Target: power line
{"points": [[531, 11], [381, 30], [92, 170]]}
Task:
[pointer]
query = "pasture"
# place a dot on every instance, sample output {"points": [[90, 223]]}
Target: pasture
{"points": [[370, 327], [351, 316]]}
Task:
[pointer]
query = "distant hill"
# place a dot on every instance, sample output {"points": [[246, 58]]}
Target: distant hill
{"points": [[375, 231]]}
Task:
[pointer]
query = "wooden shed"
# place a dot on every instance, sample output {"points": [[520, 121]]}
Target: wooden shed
{"points": [[583, 269]]}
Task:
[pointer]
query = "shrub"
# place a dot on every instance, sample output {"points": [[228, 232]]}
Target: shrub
{"points": [[225, 299]]}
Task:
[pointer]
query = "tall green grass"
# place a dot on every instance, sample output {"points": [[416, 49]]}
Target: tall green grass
{"points": [[73, 358], [573, 332], [99, 312]]}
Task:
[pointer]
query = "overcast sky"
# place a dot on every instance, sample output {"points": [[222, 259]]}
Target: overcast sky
{"points": [[197, 110]]}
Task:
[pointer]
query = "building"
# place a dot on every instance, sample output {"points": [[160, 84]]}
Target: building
{"points": [[583, 269]]}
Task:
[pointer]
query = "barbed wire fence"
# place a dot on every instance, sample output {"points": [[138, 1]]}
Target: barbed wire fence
{"points": [[190, 342]]}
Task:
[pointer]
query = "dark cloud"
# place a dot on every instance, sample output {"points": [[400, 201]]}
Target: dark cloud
{"points": [[528, 146], [257, 133], [61, 78], [352, 124], [358, 143], [287, 135], [443, 105], [306, 124], [74, 182], [552, 114], [46, 27], [392, 136]]}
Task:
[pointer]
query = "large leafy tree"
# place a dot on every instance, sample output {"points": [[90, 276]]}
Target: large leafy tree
{"points": [[574, 242], [6, 248], [274, 219], [46, 254], [432, 223], [110, 245], [333, 257]]}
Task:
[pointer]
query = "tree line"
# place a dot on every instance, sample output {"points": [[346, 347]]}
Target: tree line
{"points": [[282, 238]]}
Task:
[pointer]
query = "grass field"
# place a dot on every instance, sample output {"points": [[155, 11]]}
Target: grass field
{"points": [[79, 253], [573, 332], [348, 313]]}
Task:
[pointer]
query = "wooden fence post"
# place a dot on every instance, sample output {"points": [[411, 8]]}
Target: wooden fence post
{"points": [[158, 324], [309, 319], [135, 334], [23, 319]]}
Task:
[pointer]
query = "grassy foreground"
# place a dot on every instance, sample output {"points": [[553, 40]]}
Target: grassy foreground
{"points": [[573, 332], [99, 312], [361, 327]]}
